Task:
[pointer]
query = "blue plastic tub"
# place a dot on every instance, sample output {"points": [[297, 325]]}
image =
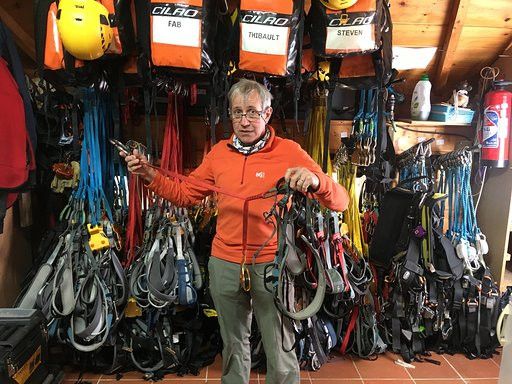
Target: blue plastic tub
{"points": [[447, 113]]}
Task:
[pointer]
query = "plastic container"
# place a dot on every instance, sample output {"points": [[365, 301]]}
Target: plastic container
{"points": [[448, 113], [420, 103]]}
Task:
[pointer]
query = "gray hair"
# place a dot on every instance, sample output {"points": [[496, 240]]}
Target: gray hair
{"points": [[244, 86]]}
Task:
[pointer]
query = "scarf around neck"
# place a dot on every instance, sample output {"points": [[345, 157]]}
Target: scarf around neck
{"points": [[249, 149]]}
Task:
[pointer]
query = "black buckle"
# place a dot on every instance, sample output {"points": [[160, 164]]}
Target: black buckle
{"points": [[472, 305]]}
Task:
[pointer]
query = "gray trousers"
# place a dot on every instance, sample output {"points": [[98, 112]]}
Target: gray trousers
{"points": [[234, 307]]}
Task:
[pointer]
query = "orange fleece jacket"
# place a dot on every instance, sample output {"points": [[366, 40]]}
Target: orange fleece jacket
{"points": [[247, 175]]}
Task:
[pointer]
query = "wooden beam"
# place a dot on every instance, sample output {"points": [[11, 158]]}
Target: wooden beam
{"points": [[507, 52], [454, 27], [22, 38]]}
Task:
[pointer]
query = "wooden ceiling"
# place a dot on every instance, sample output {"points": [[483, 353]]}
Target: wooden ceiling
{"points": [[468, 34]]}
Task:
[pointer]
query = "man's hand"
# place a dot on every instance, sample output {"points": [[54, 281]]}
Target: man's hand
{"points": [[137, 164], [301, 179]]}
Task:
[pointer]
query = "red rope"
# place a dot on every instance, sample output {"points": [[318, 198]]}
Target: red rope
{"points": [[134, 230], [351, 325]]}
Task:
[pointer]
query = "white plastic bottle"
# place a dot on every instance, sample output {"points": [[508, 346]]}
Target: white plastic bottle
{"points": [[420, 103]]}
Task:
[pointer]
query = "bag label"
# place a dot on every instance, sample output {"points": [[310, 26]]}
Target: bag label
{"points": [[265, 32], [176, 24], [353, 32]]}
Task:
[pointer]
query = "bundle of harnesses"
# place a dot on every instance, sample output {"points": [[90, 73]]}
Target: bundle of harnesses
{"points": [[320, 282], [81, 287], [166, 272], [358, 317], [434, 297], [455, 180], [476, 304], [164, 280]]}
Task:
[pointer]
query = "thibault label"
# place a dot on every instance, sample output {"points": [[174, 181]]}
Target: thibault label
{"points": [[265, 32], [351, 31], [176, 24]]}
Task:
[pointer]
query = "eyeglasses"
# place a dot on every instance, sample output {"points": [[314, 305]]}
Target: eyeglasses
{"points": [[251, 115]]}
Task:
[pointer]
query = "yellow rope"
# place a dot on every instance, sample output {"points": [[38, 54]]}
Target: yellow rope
{"points": [[347, 177], [315, 139]]}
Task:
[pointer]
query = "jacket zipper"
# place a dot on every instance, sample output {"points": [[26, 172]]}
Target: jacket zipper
{"points": [[243, 170]]}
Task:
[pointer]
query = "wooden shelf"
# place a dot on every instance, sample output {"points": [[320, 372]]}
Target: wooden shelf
{"points": [[429, 123], [447, 136]]}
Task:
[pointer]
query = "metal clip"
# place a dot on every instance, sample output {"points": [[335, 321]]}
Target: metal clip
{"points": [[120, 146], [245, 277]]}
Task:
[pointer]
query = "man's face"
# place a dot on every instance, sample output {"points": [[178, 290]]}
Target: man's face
{"points": [[251, 126]]}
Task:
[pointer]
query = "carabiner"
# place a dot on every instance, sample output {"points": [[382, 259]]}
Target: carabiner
{"points": [[245, 277]]}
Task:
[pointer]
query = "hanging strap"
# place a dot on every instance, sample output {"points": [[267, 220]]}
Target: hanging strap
{"points": [[327, 129], [147, 120]]}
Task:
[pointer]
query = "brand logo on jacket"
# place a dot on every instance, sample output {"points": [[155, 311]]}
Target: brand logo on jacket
{"points": [[260, 174]]}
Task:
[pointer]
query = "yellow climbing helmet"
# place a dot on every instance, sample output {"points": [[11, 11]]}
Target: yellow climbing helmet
{"points": [[336, 5], [84, 28]]}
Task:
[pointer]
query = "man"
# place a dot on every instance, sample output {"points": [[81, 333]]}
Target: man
{"points": [[250, 162]]}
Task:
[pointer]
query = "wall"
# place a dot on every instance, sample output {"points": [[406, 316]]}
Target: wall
{"points": [[495, 210], [196, 133], [15, 258]]}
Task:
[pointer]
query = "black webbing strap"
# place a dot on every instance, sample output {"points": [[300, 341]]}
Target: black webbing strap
{"points": [[428, 312], [225, 84], [147, 120], [315, 341], [41, 9], [418, 345], [74, 125], [407, 225], [327, 128], [413, 269], [214, 113], [382, 135], [456, 264], [488, 310], [278, 103], [458, 295], [298, 69], [478, 340], [398, 313], [3, 209], [461, 313], [471, 319]]}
